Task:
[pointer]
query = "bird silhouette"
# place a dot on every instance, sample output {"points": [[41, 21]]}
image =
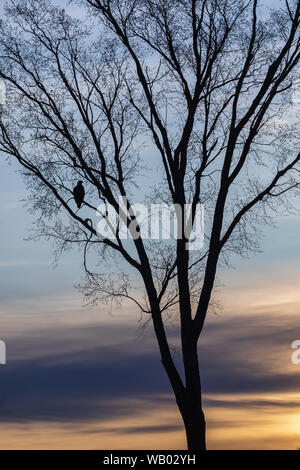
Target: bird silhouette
{"points": [[78, 193]]}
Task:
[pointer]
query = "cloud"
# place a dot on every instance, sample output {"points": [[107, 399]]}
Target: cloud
{"points": [[75, 377], [251, 402], [22, 263], [88, 372], [250, 354]]}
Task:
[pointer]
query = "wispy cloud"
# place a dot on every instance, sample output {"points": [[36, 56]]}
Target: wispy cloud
{"points": [[22, 263]]}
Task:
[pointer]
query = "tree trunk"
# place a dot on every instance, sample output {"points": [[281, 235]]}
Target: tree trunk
{"points": [[190, 402], [194, 423]]}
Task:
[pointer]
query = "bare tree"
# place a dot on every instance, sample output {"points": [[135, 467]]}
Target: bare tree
{"points": [[206, 83]]}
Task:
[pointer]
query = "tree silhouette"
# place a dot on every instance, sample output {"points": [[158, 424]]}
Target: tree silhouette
{"points": [[208, 84]]}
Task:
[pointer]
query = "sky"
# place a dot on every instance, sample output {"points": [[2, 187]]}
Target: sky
{"points": [[82, 378], [87, 378]]}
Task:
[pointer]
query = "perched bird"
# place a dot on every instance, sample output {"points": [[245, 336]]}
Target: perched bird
{"points": [[78, 193]]}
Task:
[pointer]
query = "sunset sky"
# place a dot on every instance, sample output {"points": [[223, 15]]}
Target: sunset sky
{"points": [[79, 378]]}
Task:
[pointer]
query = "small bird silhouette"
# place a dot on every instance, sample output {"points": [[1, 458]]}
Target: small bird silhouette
{"points": [[78, 193]]}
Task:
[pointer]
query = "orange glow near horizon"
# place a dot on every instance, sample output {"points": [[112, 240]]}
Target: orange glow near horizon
{"points": [[264, 420], [260, 427]]}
